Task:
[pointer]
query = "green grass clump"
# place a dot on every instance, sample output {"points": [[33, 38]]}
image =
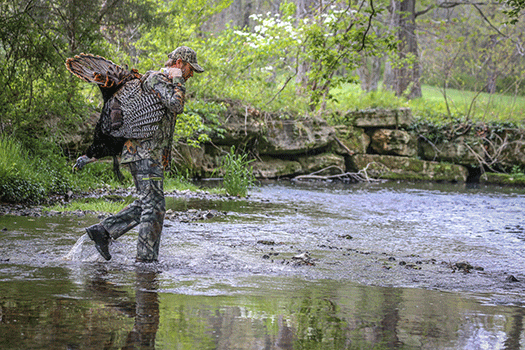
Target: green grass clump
{"points": [[99, 205], [238, 174], [178, 183]]}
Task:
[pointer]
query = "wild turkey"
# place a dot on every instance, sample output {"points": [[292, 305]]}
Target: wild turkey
{"points": [[128, 111]]}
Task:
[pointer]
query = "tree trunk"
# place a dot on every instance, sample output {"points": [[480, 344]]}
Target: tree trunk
{"points": [[369, 73], [388, 76], [407, 72]]}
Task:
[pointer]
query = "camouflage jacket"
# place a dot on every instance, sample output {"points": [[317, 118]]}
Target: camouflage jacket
{"points": [[169, 95]]}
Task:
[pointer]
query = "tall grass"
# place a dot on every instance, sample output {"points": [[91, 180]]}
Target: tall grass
{"points": [[350, 97], [238, 174], [99, 205]]}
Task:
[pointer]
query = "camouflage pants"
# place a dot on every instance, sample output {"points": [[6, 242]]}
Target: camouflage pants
{"points": [[148, 210]]}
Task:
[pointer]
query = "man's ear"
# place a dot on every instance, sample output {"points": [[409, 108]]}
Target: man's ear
{"points": [[178, 63]]}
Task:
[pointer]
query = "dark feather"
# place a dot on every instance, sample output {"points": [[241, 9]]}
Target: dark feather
{"points": [[110, 78], [129, 112], [106, 74]]}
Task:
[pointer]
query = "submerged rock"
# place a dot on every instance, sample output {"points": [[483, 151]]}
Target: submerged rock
{"points": [[192, 215], [511, 278], [303, 259]]}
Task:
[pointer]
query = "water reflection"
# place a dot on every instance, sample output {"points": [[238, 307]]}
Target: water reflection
{"points": [[142, 336], [141, 309], [214, 290], [144, 309]]}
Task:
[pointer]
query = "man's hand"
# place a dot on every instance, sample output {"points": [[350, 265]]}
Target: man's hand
{"points": [[174, 72]]}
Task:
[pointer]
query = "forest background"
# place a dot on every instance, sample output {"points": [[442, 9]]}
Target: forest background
{"points": [[450, 61]]}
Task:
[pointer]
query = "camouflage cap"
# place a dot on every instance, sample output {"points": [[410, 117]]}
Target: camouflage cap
{"points": [[188, 55]]}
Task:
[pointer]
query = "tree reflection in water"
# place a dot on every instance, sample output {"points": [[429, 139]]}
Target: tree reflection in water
{"points": [[145, 308], [142, 336]]}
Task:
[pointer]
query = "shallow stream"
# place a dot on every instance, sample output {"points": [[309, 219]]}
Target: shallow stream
{"points": [[294, 266]]}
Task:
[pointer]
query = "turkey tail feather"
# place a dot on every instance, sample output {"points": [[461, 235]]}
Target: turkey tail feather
{"points": [[98, 70]]}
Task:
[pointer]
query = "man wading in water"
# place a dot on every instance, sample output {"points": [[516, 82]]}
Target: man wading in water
{"points": [[159, 95]]}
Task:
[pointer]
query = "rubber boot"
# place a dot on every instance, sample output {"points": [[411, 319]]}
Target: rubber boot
{"points": [[100, 236]]}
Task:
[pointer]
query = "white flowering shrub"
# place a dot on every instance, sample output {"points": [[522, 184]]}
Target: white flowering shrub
{"points": [[286, 63]]}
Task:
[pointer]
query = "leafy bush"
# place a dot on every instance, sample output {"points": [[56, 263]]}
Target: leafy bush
{"points": [[238, 175], [34, 178], [199, 119], [26, 179]]}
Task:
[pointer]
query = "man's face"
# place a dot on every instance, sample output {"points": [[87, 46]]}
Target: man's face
{"points": [[187, 70]]}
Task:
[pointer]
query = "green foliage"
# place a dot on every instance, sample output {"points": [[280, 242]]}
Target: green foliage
{"points": [[240, 68], [335, 34], [99, 174], [265, 65], [238, 174], [29, 179], [517, 170], [199, 119], [514, 9], [179, 25]]}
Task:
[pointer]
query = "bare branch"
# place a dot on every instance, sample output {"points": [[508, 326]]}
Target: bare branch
{"points": [[360, 176]]}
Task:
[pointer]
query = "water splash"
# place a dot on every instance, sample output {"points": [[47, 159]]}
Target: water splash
{"points": [[82, 250]]}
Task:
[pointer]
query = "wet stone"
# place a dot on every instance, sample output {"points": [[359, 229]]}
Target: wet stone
{"points": [[303, 259], [193, 215], [265, 242], [463, 266], [511, 278]]}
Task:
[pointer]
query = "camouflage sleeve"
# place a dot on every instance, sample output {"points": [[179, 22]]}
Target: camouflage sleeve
{"points": [[171, 92]]}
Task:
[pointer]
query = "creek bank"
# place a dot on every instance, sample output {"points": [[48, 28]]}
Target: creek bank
{"points": [[376, 143]]}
